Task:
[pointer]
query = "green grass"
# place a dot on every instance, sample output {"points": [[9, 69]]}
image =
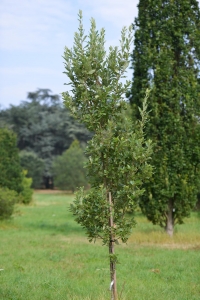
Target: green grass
{"points": [[45, 255]]}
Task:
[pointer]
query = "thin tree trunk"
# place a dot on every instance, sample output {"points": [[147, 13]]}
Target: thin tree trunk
{"points": [[170, 220], [113, 284]]}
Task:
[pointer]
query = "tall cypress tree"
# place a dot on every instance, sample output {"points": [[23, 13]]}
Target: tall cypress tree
{"points": [[166, 58]]}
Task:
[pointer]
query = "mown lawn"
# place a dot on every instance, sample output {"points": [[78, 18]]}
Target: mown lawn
{"points": [[44, 255]]}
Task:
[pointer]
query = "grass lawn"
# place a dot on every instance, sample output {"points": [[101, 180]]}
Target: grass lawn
{"points": [[44, 255]]}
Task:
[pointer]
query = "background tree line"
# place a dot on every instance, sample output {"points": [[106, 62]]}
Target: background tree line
{"points": [[44, 129]]}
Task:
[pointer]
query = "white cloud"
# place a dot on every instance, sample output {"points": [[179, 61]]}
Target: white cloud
{"points": [[30, 24], [118, 12], [33, 34]]}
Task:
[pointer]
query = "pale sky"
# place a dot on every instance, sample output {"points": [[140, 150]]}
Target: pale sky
{"points": [[33, 34]]}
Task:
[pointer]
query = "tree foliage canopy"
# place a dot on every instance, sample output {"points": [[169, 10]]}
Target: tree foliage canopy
{"points": [[95, 77], [43, 126], [166, 58]]}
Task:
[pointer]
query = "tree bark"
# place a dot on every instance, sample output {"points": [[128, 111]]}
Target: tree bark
{"points": [[170, 219], [113, 285]]}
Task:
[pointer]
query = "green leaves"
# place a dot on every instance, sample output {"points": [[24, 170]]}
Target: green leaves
{"points": [[10, 169], [118, 155], [68, 168], [91, 72], [166, 58], [95, 77], [45, 129]]}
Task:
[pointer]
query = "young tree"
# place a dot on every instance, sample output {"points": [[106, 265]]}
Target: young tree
{"points": [[117, 155], [68, 168], [166, 58]]}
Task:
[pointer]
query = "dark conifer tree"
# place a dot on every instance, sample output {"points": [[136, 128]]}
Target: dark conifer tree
{"points": [[166, 58]]}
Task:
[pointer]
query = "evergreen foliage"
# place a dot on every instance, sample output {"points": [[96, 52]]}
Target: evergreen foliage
{"points": [[25, 196], [10, 169], [68, 168], [8, 199], [166, 58]]}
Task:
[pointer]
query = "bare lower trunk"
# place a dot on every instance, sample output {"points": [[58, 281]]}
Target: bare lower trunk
{"points": [[170, 219], [113, 284]]}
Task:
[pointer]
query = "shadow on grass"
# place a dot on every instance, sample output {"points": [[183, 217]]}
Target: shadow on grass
{"points": [[65, 228]]}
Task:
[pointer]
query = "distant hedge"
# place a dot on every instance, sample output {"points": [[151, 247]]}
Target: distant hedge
{"points": [[68, 168], [8, 199]]}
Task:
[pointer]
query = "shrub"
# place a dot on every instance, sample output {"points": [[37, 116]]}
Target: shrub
{"points": [[68, 168], [34, 165], [26, 195], [10, 169], [8, 198]]}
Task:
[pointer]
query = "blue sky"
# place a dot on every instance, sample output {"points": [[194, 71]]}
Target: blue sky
{"points": [[33, 34]]}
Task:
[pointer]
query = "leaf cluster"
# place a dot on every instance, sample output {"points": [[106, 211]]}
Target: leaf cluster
{"points": [[94, 76], [118, 162]]}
